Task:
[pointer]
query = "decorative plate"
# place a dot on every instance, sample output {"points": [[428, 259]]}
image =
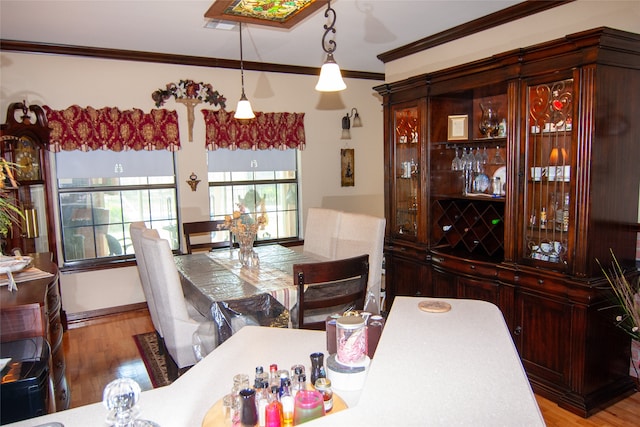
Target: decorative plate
{"points": [[13, 264], [481, 183]]}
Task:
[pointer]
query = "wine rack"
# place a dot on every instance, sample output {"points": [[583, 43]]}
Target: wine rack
{"points": [[470, 225]]}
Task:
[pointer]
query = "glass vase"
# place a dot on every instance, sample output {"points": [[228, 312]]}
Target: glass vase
{"points": [[245, 241]]}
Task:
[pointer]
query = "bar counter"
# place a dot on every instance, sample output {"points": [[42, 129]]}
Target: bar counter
{"points": [[454, 368]]}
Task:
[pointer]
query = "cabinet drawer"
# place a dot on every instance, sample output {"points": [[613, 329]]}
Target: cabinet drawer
{"points": [[464, 266], [540, 283]]}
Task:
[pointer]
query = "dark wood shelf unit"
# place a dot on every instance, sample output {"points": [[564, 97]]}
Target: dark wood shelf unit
{"points": [[569, 150]]}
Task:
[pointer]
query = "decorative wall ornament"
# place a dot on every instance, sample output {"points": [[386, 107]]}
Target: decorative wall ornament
{"points": [[193, 181], [347, 167], [77, 128], [267, 131], [190, 94]]}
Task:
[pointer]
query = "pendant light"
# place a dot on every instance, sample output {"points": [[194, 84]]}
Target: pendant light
{"points": [[243, 110], [330, 77]]}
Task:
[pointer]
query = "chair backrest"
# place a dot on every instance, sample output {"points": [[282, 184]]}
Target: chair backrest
{"points": [[329, 287], [364, 234], [177, 326], [192, 229], [135, 231], [321, 232]]}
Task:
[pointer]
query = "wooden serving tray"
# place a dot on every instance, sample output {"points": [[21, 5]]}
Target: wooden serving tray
{"points": [[215, 415]]}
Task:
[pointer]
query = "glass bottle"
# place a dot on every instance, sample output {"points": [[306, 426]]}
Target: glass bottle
{"points": [[331, 333], [249, 411], [317, 367], [273, 414], [374, 330], [323, 385], [286, 399], [262, 398], [565, 213]]}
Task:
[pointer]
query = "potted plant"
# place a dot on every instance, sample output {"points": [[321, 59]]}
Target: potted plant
{"points": [[627, 300]]}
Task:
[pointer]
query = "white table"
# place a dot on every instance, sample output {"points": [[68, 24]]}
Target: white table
{"points": [[454, 368]]}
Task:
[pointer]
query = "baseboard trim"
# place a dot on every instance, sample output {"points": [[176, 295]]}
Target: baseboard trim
{"points": [[83, 318]]}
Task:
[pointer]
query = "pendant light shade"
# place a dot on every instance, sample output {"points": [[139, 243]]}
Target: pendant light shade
{"points": [[330, 77], [243, 110]]}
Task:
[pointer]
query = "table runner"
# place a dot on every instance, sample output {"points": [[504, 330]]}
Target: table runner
{"points": [[273, 276]]}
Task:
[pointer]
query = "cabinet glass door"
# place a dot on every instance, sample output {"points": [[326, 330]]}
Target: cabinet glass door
{"points": [[548, 152], [406, 170]]}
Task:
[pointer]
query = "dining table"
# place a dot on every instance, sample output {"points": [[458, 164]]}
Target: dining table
{"points": [[232, 295]]}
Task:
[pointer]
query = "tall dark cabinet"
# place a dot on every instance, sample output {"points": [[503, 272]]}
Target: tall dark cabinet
{"points": [[523, 172]]}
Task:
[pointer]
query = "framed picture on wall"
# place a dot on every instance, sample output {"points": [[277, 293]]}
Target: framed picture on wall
{"points": [[347, 169], [458, 129]]}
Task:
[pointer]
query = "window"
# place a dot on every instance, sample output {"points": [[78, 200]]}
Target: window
{"points": [[245, 178], [102, 192]]}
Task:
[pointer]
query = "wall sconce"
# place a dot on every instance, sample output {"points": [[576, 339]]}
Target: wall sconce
{"points": [[346, 123], [193, 181]]}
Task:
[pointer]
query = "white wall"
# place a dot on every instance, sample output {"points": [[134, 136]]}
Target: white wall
{"points": [[60, 81], [545, 26]]}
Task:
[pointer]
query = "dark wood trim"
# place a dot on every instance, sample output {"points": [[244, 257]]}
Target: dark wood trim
{"points": [[520, 10], [166, 58], [77, 320]]}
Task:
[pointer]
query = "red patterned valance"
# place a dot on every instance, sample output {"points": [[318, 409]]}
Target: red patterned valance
{"points": [[266, 131], [77, 128]]}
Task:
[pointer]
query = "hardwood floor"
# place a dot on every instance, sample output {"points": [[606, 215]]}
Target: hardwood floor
{"points": [[103, 350]]}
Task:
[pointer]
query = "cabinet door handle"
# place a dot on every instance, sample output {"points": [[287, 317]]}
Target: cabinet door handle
{"points": [[517, 330], [473, 267], [540, 281], [438, 260]]}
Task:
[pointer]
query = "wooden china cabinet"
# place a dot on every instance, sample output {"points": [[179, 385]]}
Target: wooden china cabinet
{"points": [[526, 174]]}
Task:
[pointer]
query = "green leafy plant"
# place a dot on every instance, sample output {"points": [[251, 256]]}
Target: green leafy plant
{"points": [[625, 295]]}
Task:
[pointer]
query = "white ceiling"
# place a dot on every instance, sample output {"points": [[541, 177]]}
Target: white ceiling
{"points": [[364, 28]]}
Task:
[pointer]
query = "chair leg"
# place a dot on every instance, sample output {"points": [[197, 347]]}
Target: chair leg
{"points": [[162, 349], [172, 368]]}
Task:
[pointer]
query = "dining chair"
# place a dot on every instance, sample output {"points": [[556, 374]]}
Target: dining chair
{"points": [[364, 234], [329, 287], [177, 326], [199, 228], [135, 232], [321, 232]]}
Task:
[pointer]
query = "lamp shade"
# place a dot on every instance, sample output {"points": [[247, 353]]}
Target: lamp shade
{"points": [[244, 110], [330, 77], [558, 157]]}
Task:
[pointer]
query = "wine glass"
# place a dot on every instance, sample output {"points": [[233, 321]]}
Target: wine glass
{"points": [[456, 162], [120, 397], [497, 158]]}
